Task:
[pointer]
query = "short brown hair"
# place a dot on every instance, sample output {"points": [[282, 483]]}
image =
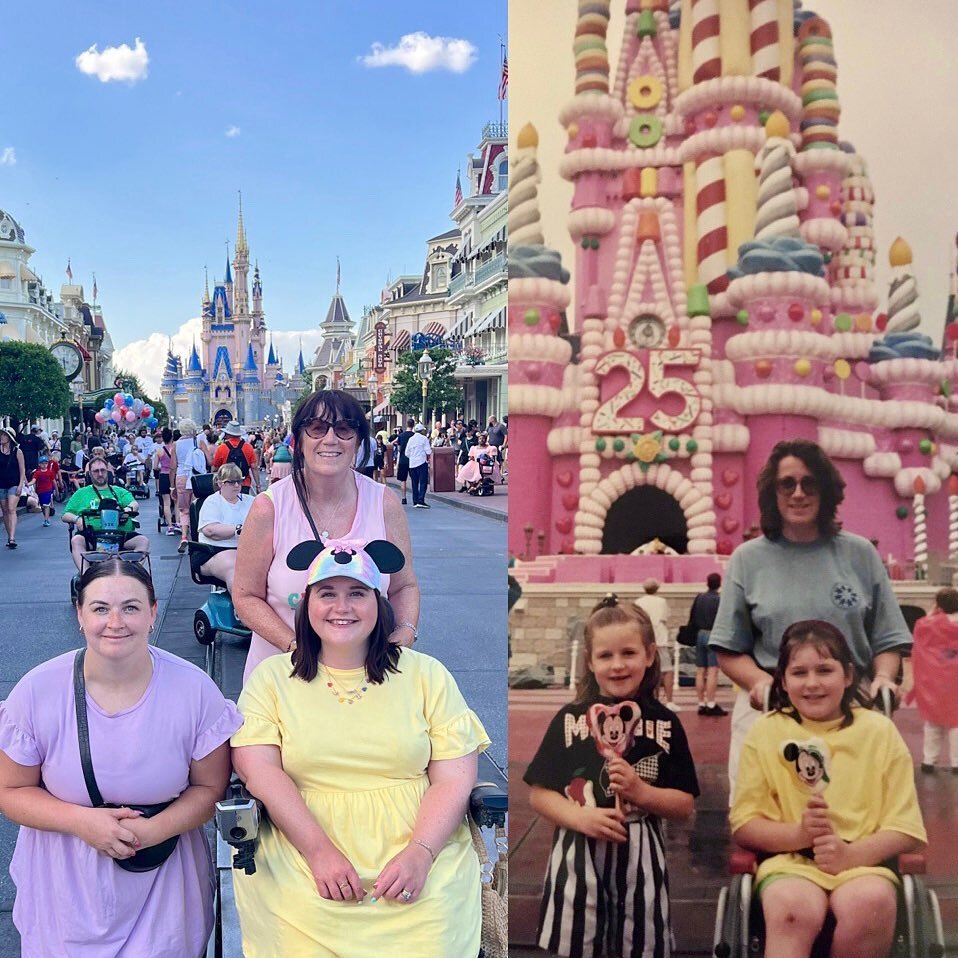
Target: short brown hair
{"points": [[947, 600]]}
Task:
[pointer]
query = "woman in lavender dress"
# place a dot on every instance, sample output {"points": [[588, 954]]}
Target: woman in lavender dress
{"points": [[158, 731]]}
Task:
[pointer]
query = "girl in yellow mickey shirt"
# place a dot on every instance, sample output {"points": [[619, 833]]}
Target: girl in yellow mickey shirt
{"points": [[826, 789]]}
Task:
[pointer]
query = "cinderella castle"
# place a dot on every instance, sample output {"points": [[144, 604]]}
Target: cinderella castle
{"points": [[233, 374]]}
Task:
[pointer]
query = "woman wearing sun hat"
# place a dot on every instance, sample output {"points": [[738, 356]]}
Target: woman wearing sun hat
{"points": [[364, 754]]}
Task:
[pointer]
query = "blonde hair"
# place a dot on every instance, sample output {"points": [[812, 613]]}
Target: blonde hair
{"points": [[187, 427], [229, 470]]}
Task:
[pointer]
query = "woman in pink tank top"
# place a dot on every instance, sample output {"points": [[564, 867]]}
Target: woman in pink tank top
{"points": [[324, 498]]}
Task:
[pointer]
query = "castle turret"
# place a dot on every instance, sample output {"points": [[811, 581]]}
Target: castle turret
{"points": [[241, 265]]}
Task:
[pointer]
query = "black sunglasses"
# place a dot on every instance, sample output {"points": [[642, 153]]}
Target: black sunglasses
{"points": [[788, 484], [317, 428]]}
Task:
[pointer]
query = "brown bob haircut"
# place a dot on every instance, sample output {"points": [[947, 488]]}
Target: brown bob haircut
{"points": [[382, 657], [831, 486]]}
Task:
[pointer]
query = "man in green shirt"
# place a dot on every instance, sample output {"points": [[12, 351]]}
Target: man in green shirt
{"points": [[88, 497]]}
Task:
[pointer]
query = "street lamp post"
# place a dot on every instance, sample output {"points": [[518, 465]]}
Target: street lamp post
{"points": [[426, 366], [372, 382]]}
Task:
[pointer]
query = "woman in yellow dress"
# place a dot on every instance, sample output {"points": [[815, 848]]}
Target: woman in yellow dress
{"points": [[364, 754]]}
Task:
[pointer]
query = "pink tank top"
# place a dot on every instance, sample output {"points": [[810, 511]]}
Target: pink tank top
{"points": [[284, 587]]}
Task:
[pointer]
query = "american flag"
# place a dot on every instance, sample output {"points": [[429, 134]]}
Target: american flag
{"points": [[504, 79], [94, 287], [458, 189], [69, 271]]}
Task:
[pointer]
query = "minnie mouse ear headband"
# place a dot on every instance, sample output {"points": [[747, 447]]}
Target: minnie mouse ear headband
{"points": [[326, 560]]}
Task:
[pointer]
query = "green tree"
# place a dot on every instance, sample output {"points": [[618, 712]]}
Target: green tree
{"points": [[443, 393], [32, 384], [305, 394], [138, 392]]}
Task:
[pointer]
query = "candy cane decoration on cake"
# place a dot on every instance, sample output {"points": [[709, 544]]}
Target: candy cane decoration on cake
{"points": [[764, 39], [903, 310], [921, 532], [953, 517], [777, 214], [706, 49], [711, 221]]}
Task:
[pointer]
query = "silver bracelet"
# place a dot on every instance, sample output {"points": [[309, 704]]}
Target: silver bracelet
{"points": [[432, 854], [411, 627]]}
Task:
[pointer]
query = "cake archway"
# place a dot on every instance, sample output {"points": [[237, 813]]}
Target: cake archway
{"points": [[698, 523], [646, 520]]}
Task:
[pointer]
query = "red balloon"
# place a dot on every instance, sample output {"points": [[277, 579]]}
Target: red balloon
{"points": [[674, 335]]}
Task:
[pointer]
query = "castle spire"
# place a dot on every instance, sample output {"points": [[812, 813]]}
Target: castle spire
{"points": [[229, 272], [241, 246], [206, 285]]}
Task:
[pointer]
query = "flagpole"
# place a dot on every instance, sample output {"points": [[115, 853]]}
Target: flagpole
{"points": [[502, 48]]}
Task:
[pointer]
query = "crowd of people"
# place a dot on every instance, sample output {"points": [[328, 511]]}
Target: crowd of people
{"points": [[362, 750]]}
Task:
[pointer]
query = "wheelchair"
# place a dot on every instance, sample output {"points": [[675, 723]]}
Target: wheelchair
{"points": [[740, 924], [105, 543], [217, 613]]}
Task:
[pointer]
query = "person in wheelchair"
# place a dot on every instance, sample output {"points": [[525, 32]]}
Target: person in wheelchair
{"points": [[364, 753], [89, 497], [825, 789], [221, 520]]}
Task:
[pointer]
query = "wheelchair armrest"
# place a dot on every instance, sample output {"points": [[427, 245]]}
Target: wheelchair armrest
{"points": [[912, 863], [488, 804], [742, 862]]}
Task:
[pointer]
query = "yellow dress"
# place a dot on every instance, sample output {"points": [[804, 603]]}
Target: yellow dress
{"points": [[361, 769]]}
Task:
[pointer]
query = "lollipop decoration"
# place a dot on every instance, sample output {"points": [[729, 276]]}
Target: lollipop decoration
{"points": [[613, 729]]}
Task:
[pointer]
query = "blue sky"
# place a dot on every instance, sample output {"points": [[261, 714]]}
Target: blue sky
{"points": [[136, 180]]}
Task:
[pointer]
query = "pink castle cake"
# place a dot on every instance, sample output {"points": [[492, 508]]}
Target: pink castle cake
{"points": [[725, 300]]}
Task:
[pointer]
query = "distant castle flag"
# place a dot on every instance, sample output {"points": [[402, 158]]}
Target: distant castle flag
{"points": [[458, 189], [69, 271], [504, 79]]}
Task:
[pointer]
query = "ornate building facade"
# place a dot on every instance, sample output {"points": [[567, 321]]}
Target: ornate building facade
{"points": [[235, 373]]}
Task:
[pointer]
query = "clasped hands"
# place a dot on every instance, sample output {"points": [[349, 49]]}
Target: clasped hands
{"points": [[401, 879], [117, 832], [832, 853], [608, 824]]}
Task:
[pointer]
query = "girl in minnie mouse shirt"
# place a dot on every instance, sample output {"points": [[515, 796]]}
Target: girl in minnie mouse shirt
{"points": [[611, 766]]}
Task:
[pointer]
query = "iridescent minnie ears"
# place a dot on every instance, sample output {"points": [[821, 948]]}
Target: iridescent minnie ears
{"points": [[385, 556]]}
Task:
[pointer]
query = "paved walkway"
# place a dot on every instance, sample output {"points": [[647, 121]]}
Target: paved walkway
{"points": [[697, 850]]}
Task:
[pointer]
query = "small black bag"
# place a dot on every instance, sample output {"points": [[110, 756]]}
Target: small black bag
{"points": [[687, 635], [146, 859]]}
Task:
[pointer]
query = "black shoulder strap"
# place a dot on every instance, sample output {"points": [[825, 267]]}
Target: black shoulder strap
{"points": [[83, 731]]}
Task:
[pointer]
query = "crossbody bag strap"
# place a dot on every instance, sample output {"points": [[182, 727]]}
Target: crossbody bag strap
{"points": [[83, 731]]}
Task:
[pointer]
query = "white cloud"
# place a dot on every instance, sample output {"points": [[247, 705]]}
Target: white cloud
{"points": [[8, 156], [147, 357], [115, 63], [232, 131], [420, 53]]}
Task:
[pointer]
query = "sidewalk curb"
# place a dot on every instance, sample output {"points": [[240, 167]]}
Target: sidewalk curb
{"points": [[469, 503]]}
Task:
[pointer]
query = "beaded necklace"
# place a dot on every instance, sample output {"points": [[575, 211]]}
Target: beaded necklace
{"points": [[345, 695]]}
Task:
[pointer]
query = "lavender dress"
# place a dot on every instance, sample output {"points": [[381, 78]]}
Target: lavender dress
{"points": [[72, 900]]}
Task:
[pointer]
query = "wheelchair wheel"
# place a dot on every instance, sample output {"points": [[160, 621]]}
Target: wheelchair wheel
{"points": [[203, 628]]}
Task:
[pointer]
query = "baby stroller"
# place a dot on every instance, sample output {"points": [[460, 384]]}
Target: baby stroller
{"points": [[486, 483], [217, 613], [134, 476]]}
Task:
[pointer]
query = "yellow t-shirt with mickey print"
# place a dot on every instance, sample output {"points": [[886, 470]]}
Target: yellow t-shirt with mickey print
{"points": [[868, 783]]}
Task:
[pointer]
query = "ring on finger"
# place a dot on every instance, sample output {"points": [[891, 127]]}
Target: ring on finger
{"points": [[406, 895], [343, 885]]}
